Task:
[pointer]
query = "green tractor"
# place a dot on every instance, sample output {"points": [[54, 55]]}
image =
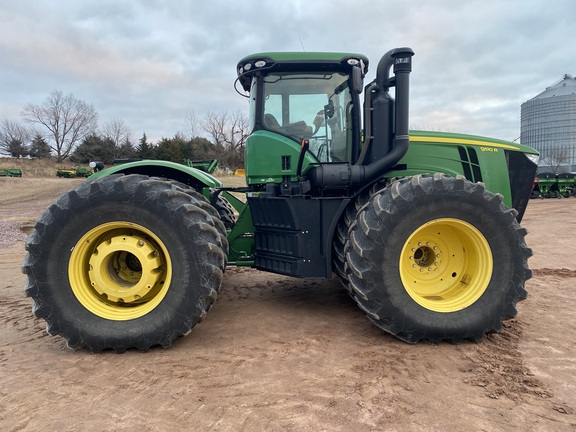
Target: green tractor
{"points": [[10, 172], [77, 171], [422, 228], [206, 165]]}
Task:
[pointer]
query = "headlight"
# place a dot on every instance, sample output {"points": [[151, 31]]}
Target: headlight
{"points": [[534, 158]]}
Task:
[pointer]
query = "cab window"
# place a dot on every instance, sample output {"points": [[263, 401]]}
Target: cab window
{"points": [[309, 106]]}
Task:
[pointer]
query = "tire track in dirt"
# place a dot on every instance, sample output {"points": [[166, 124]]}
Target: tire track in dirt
{"points": [[559, 273], [19, 326], [389, 374], [547, 324], [501, 364], [496, 365]]}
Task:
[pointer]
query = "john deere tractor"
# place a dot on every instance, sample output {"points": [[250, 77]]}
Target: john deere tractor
{"points": [[422, 228]]}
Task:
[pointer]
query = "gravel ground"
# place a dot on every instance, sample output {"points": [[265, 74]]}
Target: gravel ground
{"points": [[11, 232]]}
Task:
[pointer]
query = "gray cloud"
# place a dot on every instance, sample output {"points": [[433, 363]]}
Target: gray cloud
{"points": [[148, 62]]}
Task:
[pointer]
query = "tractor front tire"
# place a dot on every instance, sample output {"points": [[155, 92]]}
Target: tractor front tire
{"points": [[124, 262], [437, 258]]}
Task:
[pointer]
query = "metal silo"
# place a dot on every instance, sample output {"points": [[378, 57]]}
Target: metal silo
{"points": [[548, 124]]}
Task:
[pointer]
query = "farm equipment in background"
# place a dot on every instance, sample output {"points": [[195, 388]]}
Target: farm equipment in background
{"points": [[551, 185], [10, 172], [546, 183], [422, 228], [566, 184], [206, 165], [77, 171]]}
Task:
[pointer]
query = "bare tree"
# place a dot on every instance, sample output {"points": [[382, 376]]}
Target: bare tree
{"points": [[117, 131], [13, 138], [120, 134], [67, 119], [228, 133], [556, 158], [191, 124]]}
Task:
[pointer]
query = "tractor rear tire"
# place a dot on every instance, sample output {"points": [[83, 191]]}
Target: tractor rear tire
{"points": [[437, 258], [124, 262]]}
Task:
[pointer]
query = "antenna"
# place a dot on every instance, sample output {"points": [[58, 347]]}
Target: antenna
{"points": [[300, 39]]}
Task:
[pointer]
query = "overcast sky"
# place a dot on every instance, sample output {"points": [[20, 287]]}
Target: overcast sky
{"points": [[150, 62]]}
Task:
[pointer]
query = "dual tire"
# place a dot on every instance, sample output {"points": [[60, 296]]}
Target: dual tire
{"points": [[436, 258], [125, 262]]}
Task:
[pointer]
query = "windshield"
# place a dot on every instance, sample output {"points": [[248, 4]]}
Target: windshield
{"points": [[313, 106]]}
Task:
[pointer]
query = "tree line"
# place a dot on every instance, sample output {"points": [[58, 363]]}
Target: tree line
{"points": [[66, 128]]}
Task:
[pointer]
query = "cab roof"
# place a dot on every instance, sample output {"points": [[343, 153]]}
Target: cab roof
{"points": [[268, 62]]}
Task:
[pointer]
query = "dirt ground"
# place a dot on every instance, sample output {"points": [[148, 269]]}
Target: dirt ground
{"points": [[282, 354]]}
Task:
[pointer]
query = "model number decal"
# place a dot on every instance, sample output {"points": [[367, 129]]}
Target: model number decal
{"points": [[489, 149]]}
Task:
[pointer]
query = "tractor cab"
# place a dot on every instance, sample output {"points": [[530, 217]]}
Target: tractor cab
{"points": [[303, 106], [306, 121], [307, 96]]}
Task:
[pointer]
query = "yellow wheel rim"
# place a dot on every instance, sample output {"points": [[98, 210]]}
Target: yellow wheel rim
{"points": [[446, 265], [119, 271]]}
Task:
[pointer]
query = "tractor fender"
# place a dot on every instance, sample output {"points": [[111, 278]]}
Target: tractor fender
{"points": [[157, 168]]}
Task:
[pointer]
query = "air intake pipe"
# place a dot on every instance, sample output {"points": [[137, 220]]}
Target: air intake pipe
{"points": [[390, 140], [389, 131]]}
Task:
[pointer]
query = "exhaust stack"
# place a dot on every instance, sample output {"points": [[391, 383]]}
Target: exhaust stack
{"points": [[387, 141]]}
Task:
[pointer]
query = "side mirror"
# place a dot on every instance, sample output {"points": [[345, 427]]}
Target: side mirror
{"points": [[357, 80]]}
